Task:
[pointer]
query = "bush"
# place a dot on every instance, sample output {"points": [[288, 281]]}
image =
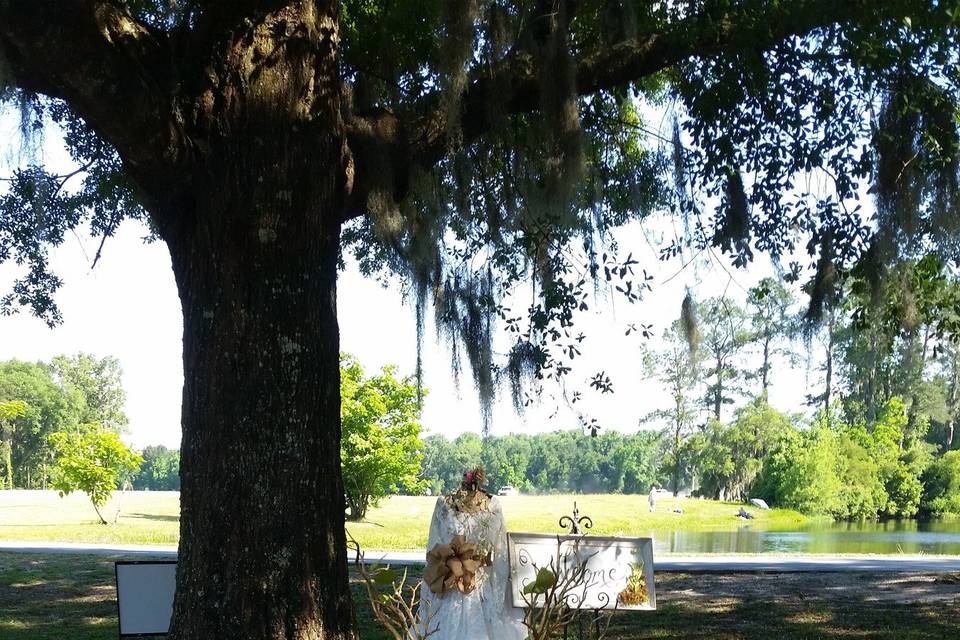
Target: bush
{"points": [[941, 486]]}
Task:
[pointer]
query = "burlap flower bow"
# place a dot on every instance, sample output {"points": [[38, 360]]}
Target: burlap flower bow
{"points": [[452, 566]]}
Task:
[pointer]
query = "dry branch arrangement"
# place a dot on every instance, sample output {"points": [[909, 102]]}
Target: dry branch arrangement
{"points": [[555, 598], [395, 603]]}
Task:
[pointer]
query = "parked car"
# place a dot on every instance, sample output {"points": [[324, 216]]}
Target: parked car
{"points": [[507, 490]]}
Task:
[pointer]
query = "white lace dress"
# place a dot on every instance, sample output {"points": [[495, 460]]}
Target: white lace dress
{"points": [[486, 613]]}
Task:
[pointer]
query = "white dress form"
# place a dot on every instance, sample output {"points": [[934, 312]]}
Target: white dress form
{"points": [[486, 613]]}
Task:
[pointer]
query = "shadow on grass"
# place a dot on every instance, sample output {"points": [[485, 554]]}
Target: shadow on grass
{"points": [[807, 620], [43, 598], [793, 607], [47, 597], [150, 516]]}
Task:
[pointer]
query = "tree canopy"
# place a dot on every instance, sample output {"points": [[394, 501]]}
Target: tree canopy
{"points": [[786, 115], [380, 448], [92, 460]]}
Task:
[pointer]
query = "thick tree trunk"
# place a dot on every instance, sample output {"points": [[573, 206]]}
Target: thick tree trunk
{"points": [[253, 233], [262, 551]]}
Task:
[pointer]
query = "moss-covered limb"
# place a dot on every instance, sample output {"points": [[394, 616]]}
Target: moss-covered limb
{"points": [[516, 80], [113, 70]]}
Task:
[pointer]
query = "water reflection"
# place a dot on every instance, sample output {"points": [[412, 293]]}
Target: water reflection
{"points": [[908, 536]]}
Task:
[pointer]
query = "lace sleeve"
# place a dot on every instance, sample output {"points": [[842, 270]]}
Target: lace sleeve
{"points": [[501, 560], [438, 524]]}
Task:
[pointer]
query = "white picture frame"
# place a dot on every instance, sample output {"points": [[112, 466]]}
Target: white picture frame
{"points": [[610, 564]]}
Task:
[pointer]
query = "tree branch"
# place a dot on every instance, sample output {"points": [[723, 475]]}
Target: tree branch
{"points": [[515, 83], [113, 71]]}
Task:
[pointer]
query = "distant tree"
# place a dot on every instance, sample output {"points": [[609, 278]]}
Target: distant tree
{"points": [[899, 323], [637, 461], [506, 460], [9, 410], [952, 357], [160, 470], [724, 334], [99, 381], [437, 467], [801, 472], [677, 365], [50, 408], [92, 460], [902, 457], [467, 454], [732, 456], [772, 324], [380, 448], [825, 335]]}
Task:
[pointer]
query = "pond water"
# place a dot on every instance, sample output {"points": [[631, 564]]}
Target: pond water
{"points": [[892, 537]]}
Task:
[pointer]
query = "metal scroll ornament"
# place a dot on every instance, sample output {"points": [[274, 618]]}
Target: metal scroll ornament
{"points": [[576, 523]]}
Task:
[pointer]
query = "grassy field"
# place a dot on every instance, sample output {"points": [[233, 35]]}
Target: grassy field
{"points": [[403, 522], [145, 518], [59, 597], [399, 523]]}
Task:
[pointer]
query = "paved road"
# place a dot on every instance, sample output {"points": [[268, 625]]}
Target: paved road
{"points": [[666, 562]]}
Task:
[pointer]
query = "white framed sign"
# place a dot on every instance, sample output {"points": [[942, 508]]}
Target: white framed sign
{"points": [[145, 596], [618, 571]]}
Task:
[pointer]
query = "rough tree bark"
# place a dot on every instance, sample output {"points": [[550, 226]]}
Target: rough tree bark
{"points": [[254, 246]]}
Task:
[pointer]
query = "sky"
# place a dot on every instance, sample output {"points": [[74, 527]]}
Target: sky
{"points": [[127, 307]]}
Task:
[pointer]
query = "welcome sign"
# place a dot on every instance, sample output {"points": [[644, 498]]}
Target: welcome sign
{"points": [[610, 572]]}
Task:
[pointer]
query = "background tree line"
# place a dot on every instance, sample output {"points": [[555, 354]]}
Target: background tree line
{"points": [[555, 462], [70, 410]]}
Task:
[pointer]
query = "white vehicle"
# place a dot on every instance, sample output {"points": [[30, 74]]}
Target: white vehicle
{"points": [[507, 490]]}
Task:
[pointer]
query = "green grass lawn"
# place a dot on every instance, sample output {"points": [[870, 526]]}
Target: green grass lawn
{"points": [[145, 518], [399, 523], [57, 597], [403, 522]]}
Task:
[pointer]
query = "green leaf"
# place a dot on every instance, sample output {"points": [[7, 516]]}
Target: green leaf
{"points": [[385, 577]]}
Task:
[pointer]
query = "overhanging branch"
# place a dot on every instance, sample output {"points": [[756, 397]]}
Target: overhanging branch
{"points": [[114, 71], [515, 83]]}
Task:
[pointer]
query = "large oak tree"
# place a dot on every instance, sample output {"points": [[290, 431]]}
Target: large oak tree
{"points": [[471, 146]]}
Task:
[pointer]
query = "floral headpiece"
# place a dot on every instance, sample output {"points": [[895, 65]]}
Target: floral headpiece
{"points": [[474, 479]]}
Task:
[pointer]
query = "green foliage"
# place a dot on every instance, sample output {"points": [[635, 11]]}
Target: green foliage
{"points": [[728, 459], [160, 470], [847, 471], [380, 449], [902, 459], [50, 408], [553, 462], [60, 396], [99, 383], [9, 410], [801, 472], [862, 491], [941, 485], [773, 326], [544, 581], [678, 366], [724, 335], [92, 460]]}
